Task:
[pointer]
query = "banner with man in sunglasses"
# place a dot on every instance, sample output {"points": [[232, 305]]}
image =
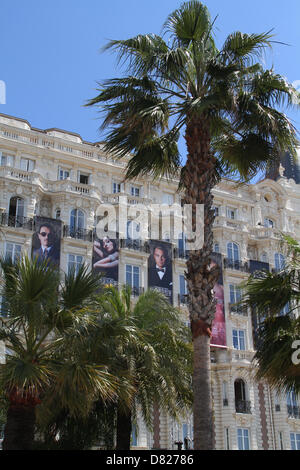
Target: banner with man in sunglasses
{"points": [[46, 240]]}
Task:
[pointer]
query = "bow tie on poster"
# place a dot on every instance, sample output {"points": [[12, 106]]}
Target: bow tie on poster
{"points": [[160, 270]]}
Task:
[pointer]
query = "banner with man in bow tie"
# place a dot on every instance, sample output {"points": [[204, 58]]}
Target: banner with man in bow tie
{"points": [[160, 274], [46, 240]]}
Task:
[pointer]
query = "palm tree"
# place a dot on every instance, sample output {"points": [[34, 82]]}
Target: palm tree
{"points": [[276, 299], [147, 346], [227, 105], [43, 333]]}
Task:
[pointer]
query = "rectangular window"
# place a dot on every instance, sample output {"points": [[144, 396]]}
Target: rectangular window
{"points": [[227, 439], [231, 213], [216, 210], [27, 164], [63, 174], [238, 337], [116, 187], [167, 198], [13, 251], [281, 441], [225, 393], [182, 289], [295, 441], [235, 293], [243, 439], [74, 263], [83, 179], [6, 160], [133, 278], [135, 191]]}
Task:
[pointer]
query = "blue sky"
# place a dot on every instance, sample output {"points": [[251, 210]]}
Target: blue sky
{"points": [[50, 55]]}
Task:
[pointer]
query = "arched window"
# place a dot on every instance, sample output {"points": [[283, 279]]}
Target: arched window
{"points": [[268, 223], [57, 214], [233, 255], [279, 261], [216, 248], [292, 404], [242, 405], [16, 211], [76, 222], [264, 257]]}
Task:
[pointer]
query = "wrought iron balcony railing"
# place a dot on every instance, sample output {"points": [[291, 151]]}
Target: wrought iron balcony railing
{"points": [[243, 406], [137, 291], [236, 265], [238, 309], [293, 411], [78, 233], [182, 299], [16, 221]]}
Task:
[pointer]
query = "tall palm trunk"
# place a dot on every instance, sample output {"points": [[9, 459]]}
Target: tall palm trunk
{"points": [[123, 429], [19, 428], [199, 179]]}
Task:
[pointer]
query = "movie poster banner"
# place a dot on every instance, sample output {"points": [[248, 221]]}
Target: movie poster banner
{"points": [[255, 268], [46, 241], [218, 326], [106, 259], [160, 276]]}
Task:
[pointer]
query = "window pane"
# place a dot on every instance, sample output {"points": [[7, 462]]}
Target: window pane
{"points": [[129, 275], [242, 340], [136, 277]]}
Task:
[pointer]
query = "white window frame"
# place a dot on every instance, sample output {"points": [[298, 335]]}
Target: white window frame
{"points": [[82, 173], [243, 438], [27, 164], [77, 226], [167, 198], [295, 440], [231, 213], [279, 261], [135, 191], [16, 251], [233, 252], [116, 187], [9, 159], [135, 274], [235, 293], [240, 339], [76, 262], [63, 173]]}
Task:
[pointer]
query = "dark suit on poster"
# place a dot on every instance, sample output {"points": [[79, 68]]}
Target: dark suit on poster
{"points": [[160, 277], [53, 255]]}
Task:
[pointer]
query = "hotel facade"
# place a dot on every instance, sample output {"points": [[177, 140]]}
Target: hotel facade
{"points": [[53, 175]]}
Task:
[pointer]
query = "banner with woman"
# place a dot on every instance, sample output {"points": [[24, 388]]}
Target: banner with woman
{"points": [[106, 259]]}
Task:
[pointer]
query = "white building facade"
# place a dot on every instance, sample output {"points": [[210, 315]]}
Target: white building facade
{"points": [[55, 174]]}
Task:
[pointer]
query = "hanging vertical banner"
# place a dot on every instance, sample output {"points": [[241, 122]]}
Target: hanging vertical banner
{"points": [[160, 274], [46, 240], [218, 325], [106, 260], [255, 268]]}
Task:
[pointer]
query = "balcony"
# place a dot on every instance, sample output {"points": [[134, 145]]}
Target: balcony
{"points": [[235, 309], [293, 411], [131, 244], [78, 233], [137, 291], [182, 299], [243, 406], [181, 253], [16, 221], [236, 265]]}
